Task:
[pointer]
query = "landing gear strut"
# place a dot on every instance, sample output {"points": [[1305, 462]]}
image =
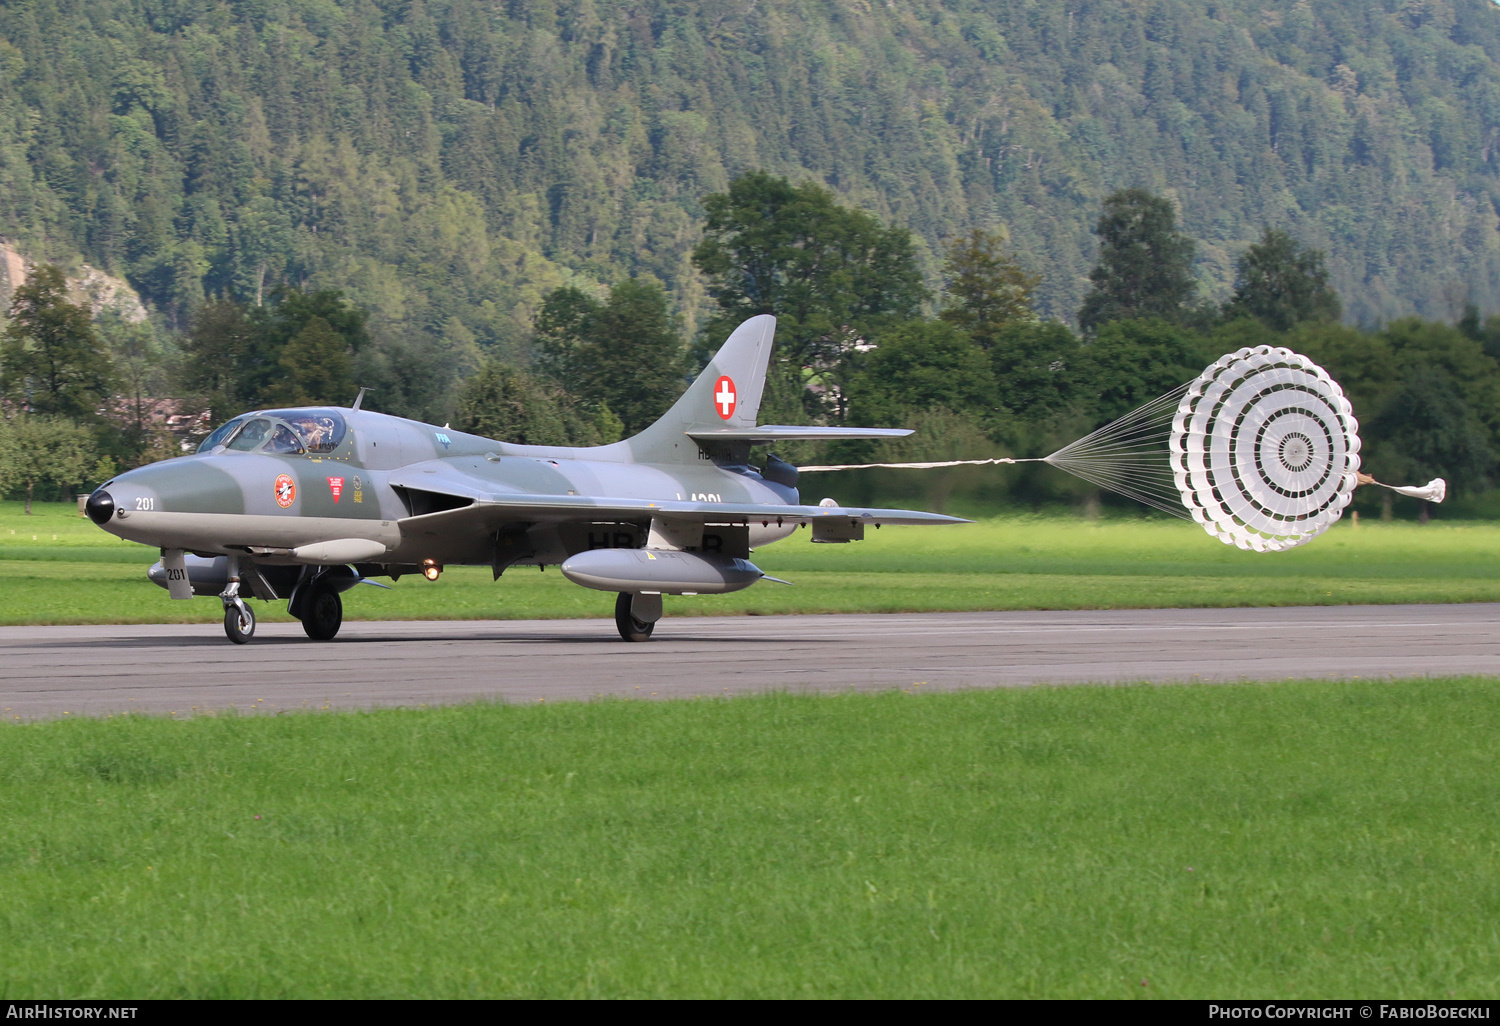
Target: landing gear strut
{"points": [[629, 612]]}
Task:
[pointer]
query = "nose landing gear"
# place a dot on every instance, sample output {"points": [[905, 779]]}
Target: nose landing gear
{"points": [[239, 621]]}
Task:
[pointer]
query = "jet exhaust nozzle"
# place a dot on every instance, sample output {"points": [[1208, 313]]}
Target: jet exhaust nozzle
{"points": [[660, 570]]}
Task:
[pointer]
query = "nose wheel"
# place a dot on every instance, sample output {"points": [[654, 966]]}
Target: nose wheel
{"points": [[239, 622]]}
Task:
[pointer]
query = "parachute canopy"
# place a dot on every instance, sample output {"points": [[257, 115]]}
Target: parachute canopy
{"points": [[1265, 449]]}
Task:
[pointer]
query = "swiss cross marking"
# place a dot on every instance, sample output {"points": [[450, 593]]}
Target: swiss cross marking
{"points": [[724, 397]]}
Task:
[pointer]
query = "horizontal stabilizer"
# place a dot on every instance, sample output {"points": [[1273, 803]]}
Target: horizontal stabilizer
{"points": [[793, 433]]}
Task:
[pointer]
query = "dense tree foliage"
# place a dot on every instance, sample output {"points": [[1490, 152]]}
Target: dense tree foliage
{"points": [[923, 366], [36, 450], [1042, 370], [297, 350], [503, 402], [988, 373], [52, 361], [832, 276], [143, 366], [623, 357], [986, 289], [1282, 283], [1145, 266], [449, 163], [1427, 430]]}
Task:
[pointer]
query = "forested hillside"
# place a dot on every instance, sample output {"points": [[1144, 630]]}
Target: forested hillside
{"points": [[447, 163]]}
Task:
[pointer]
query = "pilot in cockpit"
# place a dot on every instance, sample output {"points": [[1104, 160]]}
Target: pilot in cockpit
{"points": [[281, 432], [315, 431]]}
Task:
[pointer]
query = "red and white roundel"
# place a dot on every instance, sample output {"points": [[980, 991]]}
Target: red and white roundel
{"points": [[286, 491], [725, 397]]}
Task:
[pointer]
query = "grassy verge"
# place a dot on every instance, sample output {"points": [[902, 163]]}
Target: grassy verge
{"points": [[58, 568], [1291, 839]]}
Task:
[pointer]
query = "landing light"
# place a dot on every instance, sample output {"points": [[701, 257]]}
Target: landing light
{"points": [[430, 570]]}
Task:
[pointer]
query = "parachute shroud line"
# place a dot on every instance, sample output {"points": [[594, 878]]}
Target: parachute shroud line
{"points": [[923, 466]]}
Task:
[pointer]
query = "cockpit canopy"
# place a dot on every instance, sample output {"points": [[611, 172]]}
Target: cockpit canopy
{"points": [[283, 432]]}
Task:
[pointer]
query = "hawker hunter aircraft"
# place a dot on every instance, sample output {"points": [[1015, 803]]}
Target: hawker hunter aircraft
{"points": [[303, 504]]}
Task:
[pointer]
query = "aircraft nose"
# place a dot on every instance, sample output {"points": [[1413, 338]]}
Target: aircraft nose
{"points": [[100, 507]]}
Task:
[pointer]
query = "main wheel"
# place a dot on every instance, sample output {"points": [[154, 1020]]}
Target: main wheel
{"points": [[631, 629], [239, 626], [324, 615]]}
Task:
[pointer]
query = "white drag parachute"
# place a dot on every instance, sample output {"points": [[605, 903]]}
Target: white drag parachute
{"points": [[1261, 449], [1265, 449]]}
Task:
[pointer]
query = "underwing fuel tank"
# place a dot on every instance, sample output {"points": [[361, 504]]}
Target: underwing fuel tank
{"points": [[660, 570]]}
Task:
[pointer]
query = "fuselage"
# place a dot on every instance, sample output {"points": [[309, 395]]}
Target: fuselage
{"points": [[294, 478]]}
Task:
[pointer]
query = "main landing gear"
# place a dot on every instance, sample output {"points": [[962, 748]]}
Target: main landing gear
{"points": [[636, 615], [323, 615], [316, 601]]}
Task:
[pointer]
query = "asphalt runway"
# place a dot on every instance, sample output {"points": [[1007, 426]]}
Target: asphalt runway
{"points": [[91, 671]]}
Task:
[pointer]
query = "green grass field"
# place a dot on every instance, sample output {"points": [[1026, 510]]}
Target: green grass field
{"points": [[56, 567], [1277, 840]]}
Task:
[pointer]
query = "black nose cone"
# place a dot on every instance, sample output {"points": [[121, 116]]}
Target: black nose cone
{"points": [[100, 507]]}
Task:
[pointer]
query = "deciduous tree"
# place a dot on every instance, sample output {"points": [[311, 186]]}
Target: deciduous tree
{"points": [[317, 366], [922, 365], [1041, 370], [1145, 266], [1136, 361], [512, 405], [987, 289], [624, 355], [1282, 283], [52, 361], [282, 320], [561, 334], [1426, 430], [139, 356], [633, 359], [508, 404], [52, 450], [831, 275], [217, 355]]}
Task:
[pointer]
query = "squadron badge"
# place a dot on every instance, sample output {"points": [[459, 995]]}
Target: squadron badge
{"points": [[286, 491]]}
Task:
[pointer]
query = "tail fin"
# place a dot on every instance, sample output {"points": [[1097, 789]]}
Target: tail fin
{"points": [[726, 395]]}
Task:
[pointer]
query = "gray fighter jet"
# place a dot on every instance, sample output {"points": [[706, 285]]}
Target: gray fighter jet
{"points": [[303, 504]]}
